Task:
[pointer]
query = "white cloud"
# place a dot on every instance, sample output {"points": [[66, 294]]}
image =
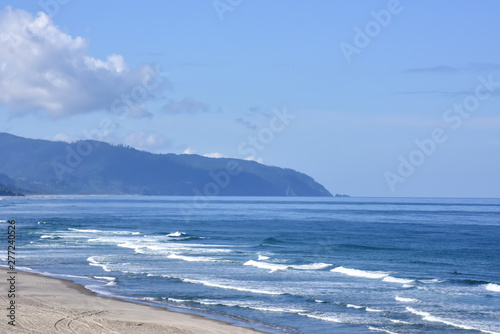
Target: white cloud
{"points": [[214, 155], [62, 137], [252, 158], [208, 155], [189, 151], [43, 68], [142, 140]]}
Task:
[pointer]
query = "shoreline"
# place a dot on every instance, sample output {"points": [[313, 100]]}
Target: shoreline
{"points": [[45, 304]]}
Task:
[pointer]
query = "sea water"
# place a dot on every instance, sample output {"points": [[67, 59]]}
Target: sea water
{"points": [[283, 265]]}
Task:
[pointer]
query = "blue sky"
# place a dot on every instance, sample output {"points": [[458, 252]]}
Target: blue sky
{"points": [[208, 76]]}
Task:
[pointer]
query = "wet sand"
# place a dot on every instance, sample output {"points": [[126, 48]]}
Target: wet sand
{"points": [[51, 305]]}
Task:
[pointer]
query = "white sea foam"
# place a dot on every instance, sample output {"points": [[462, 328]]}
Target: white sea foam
{"points": [[375, 329], [360, 273], [275, 266], [18, 267], [374, 275], [39, 223], [25, 268], [231, 286], [49, 237], [251, 305], [264, 265], [107, 278], [185, 252], [65, 275], [400, 322], [104, 232], [323, 317], [369, 309], [22, 268], [417, 312], [146, 246], [263, 257], [277, 309], [191, 258], [204, 250], [312, 266], [157, 246], [142, 247], [432, 281], [319, 301], [354, 306], [86, 231], [93, 261], [406, 300], [492, 287], [431, 318], [176, 234], [391, 279], [175, 300], [98, 289]]}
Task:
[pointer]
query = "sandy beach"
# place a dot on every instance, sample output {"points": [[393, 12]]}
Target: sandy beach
{"points": [[50, 305]]}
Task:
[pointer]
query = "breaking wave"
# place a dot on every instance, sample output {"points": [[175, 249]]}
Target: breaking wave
{"points": [[275, 266], [360, 273]]}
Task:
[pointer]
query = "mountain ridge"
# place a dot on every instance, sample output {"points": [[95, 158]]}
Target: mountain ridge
{"points": [[92, 167]]}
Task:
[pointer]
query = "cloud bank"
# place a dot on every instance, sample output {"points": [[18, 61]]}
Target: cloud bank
{"points": [[446, 69], [45, 69], [187, 105], [147, 141]]}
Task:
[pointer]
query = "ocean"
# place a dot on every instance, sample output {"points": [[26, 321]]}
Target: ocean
{"points": [[281, 265]]}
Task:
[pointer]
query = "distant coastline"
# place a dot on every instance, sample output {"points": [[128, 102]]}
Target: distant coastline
{"points": [[34, 166], [5, 191]]}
